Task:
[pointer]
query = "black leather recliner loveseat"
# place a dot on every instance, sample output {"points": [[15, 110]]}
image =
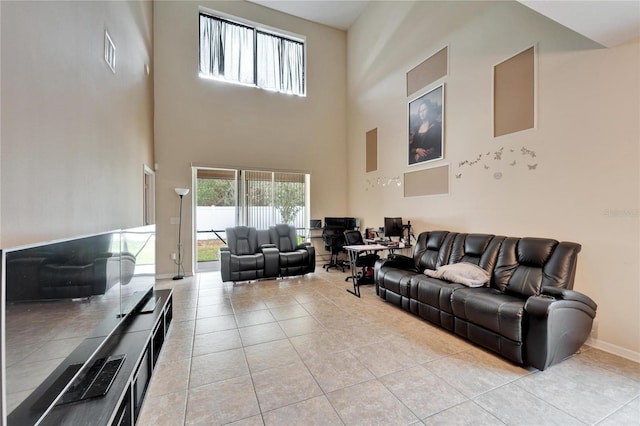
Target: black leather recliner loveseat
{"points": [[254, 254], [527, 310]]}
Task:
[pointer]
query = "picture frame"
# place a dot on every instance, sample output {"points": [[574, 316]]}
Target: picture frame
{"points": [[425, 141]]}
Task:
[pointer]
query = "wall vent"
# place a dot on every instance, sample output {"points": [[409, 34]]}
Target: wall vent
{"points": [[109, 51]]}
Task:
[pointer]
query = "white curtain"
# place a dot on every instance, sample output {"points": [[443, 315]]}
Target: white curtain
{"points": [[268, 61], [226, 50], [293, 67], [280, 64]]}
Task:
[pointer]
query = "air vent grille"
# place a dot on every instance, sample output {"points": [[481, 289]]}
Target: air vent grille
{"points": [[109, 51]]}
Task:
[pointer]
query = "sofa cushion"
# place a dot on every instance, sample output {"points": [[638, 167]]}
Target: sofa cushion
{"points": [[535, 252], [524, 265], [242, 240], [294, 258], [395, 280], [463, 273], [433, 292], [479, 249], [491, 309], [433, 249], [284, 237], [247, 262]]}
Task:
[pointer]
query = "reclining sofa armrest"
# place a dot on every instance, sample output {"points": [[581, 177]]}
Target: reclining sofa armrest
{"points": [[271, 260], [311, 267], [225, 263], [557, 327], [312, 257], [564, 294], [397, 261]]}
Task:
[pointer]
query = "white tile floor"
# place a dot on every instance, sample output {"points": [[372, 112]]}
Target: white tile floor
{"points": [[303, 351]]}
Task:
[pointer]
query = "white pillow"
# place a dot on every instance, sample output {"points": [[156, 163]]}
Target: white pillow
{"points": [[463, 273]]}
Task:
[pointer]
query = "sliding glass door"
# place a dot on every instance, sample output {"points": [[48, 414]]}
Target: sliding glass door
{"points": [[256, 198], [216, 209]]}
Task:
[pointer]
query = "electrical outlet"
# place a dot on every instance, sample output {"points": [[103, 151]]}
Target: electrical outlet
{"points": [[174, 256]]}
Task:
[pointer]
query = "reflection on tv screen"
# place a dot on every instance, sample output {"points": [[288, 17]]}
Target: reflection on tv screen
{"points": [[59, 295]]}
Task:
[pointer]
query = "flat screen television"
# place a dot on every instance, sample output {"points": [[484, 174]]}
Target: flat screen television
{"points": [[61, 302], [393, 227]]}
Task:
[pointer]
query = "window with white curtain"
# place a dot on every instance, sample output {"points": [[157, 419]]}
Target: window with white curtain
{"points": [[245, 54]]}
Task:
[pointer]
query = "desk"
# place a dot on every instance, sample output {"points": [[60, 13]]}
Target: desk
{"points": [[353, 252], [404, 249]]}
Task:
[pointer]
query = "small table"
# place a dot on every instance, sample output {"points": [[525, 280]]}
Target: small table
{"points": [[353, 252]]}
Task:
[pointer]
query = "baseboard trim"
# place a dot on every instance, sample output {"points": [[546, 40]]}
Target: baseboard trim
{"points": [[614, 349]]}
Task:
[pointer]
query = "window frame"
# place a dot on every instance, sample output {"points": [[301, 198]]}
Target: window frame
{"points": [[257, 28]]}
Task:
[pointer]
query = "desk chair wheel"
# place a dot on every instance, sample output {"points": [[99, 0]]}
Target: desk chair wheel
{"points": [[334, 263]]}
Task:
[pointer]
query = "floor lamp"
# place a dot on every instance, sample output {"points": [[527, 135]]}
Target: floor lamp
{"points": [[181, 192]]}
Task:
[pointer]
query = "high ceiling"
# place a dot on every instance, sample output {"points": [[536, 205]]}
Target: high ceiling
{"points": [[608, 22], [333, 13]]}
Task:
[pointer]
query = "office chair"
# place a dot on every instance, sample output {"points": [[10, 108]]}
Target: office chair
{"points": [[365, 260], [333, 237]]}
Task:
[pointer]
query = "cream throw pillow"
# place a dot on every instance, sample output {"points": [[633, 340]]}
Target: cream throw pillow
{"points": [[463, 273]]}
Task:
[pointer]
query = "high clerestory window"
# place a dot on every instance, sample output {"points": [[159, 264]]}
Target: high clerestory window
{"points": [[245, 54]]}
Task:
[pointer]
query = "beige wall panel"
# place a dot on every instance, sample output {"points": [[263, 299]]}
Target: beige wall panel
{"points": [[427, 72], [432, 181], [514, 93], [372, 150]]}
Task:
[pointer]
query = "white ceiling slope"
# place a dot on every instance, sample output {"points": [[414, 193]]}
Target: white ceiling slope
{"points": [[333, 13], [608, 22]]}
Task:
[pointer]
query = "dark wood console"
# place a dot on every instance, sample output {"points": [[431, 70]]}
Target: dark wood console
{"points": [[138, 342]]}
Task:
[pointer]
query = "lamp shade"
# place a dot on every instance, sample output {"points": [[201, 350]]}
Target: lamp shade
{"points": [[182, 191]]}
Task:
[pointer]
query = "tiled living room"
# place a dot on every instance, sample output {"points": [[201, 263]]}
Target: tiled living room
{"points": [[108, 107], [303, 351]]}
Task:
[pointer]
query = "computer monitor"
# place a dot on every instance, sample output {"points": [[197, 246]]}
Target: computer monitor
{"points": [[343, 222], [393, 227]]}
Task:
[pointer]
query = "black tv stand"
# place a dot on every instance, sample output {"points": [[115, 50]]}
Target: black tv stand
{"points": [[112, 389], [96, 382]]}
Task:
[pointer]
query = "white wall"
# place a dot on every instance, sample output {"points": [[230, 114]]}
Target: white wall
{"points": [[585, 187], [219, 124], [74, 136]]}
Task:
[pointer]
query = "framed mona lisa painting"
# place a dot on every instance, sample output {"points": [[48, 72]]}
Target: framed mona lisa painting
{"points": [[426, 120]]}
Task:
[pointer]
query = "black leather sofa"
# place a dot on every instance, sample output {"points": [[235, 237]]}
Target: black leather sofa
{"points": [[526, 312], [253, 254]]}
